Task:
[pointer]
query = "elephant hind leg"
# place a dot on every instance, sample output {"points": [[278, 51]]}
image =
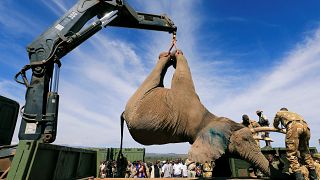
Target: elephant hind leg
{"points": [[155, 78], [182, 79]]}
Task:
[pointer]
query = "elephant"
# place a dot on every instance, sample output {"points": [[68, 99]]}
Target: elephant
{"points": [[158, 115]]}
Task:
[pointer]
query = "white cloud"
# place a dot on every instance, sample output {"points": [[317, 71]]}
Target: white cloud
{"points": [[15, 20], [59, 7], [12, 90], [292, 83]]}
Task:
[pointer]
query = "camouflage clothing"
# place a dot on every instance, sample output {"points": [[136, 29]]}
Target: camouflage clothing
{"points": [[317, 166], [297, 138], [304, 172]]}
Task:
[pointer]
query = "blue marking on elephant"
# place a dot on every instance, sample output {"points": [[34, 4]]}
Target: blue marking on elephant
{"points": [[218, 135]]}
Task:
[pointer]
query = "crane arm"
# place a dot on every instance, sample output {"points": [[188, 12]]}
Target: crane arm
{"points": [[40, 113]]}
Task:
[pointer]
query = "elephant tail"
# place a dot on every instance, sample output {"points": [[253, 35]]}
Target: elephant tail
{"points": [[242, 144], [122, 119]]}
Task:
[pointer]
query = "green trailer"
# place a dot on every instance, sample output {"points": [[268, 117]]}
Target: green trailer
{"points": [[132, 154], [35, 160]]}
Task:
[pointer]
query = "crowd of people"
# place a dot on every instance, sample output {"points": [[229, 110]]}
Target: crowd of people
{"points": [[159, 169], [188, 169]]}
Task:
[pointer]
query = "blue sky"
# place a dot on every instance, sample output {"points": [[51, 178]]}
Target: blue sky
{"points": [[244, 56]]}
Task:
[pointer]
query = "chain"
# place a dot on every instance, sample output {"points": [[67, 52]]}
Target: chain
{"points": [[174, 42]]}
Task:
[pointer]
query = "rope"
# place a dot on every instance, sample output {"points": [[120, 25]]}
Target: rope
{"points": [[173, 43]]}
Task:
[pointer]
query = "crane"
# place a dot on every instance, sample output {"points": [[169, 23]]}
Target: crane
{"points": [[40, 112]]}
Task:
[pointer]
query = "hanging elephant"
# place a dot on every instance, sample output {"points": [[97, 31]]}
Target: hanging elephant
{"points": [[158, 115]]}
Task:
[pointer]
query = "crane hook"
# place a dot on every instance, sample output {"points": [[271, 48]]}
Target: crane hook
{"points": [[174, 42]]}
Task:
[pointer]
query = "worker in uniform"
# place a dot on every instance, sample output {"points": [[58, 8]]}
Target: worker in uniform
{"points": [[316, 158], [263, 121], [297, 139]]}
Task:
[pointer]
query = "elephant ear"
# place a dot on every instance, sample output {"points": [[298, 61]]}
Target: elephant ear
{"points": [[211, 143]]}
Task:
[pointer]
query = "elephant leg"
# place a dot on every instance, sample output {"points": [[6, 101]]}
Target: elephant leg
{"points": [[155, 79], [182, 79]]}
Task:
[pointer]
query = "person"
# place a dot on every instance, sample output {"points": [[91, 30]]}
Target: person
{"points": [[297, 140], [102, 169], [142, 171], [114, 169], [207, 170], [304, 172], [156, 169], [198, 170], [148, 168], [171, 167], [249, 123], [128, 170], [177, 170], [316, 158], [184, 169], [263, 121], [274, 161], [109, 169], [166, 170], [133, 170], [191, 165], [246, 121]]}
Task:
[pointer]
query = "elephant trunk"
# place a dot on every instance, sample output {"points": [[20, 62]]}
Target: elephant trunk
{"points": [[242, 144]]}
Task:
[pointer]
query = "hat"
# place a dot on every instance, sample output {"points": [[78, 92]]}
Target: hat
{"points": [[259, 111], [188, 162], [316, 155]]}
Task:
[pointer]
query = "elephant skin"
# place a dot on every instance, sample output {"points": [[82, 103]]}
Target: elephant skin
{"points": [[158, 115]]}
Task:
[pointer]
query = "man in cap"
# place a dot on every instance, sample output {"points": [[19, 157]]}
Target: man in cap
{"points": [[297, 139], [263, 121]]}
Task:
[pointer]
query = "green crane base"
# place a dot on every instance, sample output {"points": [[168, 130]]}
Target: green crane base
{"points": [[34, 160]]}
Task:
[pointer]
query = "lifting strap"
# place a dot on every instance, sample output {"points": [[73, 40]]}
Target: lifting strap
{"points": [[174, 42]]}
